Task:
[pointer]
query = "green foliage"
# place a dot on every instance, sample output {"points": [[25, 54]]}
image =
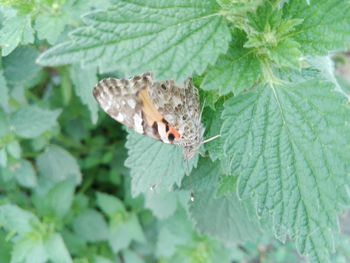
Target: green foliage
{"points": [[75, 187]]}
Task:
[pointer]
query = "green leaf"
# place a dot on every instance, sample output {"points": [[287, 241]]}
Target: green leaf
{"points": [[91, 226], [288, 144], [236, 71], [15, 30], [325, 25], [154, 164], [15, 219], [14, 149], [174, 232], [130, 256], [56, 165], [29, 250], [162, 204], [121, 233], [20, 68], [58, 200], [84, 81], [32, 121], [109, 204], [3, 158], [57, 250], [25, 174], [213, 122], [223, 216], [44, 24], [171, 39]]}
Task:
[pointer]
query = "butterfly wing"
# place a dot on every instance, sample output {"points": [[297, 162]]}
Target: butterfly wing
{"points": [[120, 99], [179, 105]]}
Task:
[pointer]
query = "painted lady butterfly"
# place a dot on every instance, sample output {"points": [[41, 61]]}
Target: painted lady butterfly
{"points": [[162, 110]]}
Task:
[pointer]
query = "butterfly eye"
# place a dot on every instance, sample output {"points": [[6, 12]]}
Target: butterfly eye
{"points": [[163, 86], [171, 137]]}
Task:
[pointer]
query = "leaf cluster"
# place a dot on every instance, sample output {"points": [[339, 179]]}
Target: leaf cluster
{"points": [[276, 179]]}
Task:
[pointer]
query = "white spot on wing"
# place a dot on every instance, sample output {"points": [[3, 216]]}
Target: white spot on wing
{"points": [[120, 117], [162, 132], [132, 103], [138, 123]]}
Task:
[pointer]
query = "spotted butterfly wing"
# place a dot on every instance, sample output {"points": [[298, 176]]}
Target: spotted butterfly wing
{"points": [[161, 110]]}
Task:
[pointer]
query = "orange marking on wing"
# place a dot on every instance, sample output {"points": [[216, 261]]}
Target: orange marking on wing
{"points": [[174, 132]]}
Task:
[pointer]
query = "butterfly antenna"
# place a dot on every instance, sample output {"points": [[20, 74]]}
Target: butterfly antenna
{"points": [[211, 139]]}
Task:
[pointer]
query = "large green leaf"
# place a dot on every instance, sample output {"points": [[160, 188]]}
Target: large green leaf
{"points": [[154, 164], [325, 25], [171, 39], [289, 145]]}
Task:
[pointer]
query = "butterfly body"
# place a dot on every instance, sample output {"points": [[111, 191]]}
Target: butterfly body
{"points": [[162, 110]]}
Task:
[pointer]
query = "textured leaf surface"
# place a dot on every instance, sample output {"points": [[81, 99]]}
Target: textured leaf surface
{"points": [[235, 71], [171, 39], [31, 121], [321, 18], [84, 81], [222, 216], [154, 164], [289, 146]]}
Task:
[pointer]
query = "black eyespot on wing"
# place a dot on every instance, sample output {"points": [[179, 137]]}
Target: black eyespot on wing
{"points": [[171, 137]]}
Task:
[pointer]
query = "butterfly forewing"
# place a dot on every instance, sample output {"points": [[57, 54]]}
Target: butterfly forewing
{"points": [[161, 110]]}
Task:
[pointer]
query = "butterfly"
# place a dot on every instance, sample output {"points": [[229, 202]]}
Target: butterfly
{"points": [[162, 110]]}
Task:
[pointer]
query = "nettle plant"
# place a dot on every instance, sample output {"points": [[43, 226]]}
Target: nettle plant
{"points": [[267, 86]]}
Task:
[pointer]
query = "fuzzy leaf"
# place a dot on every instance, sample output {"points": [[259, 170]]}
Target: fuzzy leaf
{"points": [[171, 39], [325, 25], [236, 71], [289, 146], [154, 164]]}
